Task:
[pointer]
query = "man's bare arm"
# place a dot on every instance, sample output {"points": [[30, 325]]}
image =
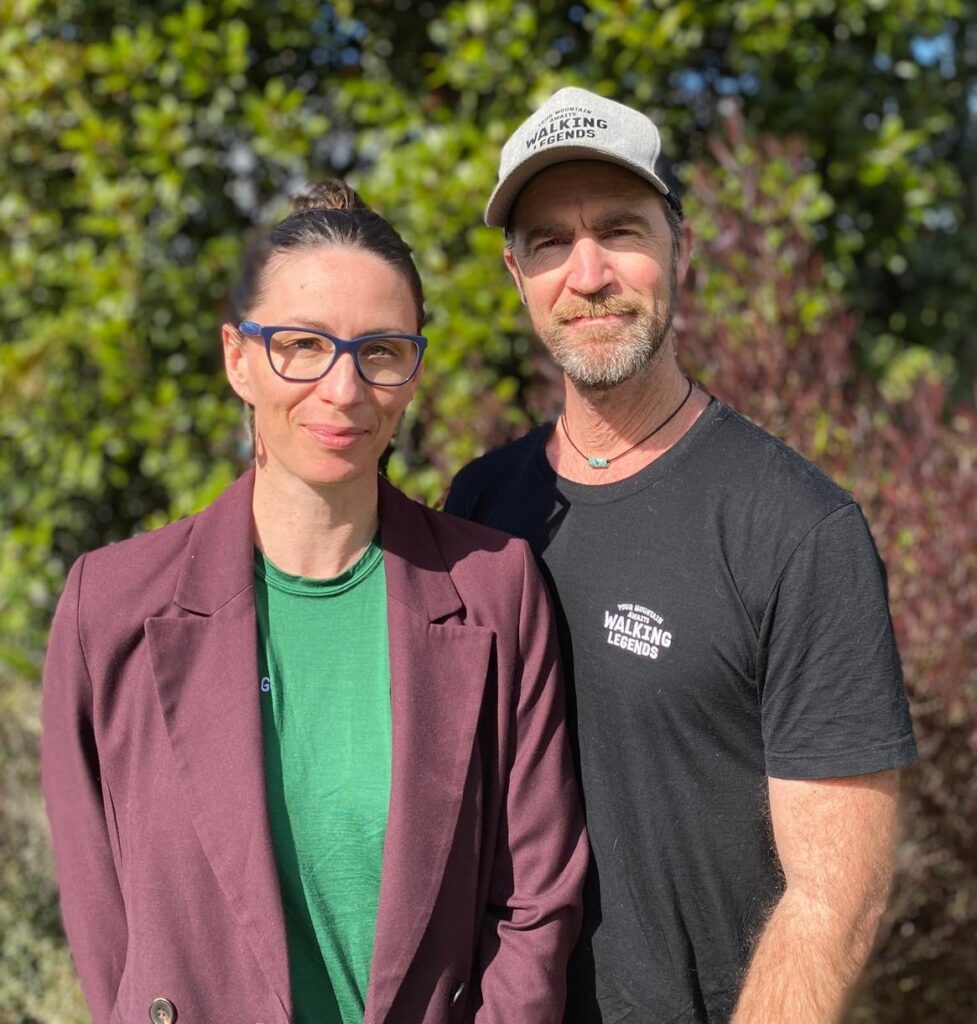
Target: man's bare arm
{"points": [[835, 840]]}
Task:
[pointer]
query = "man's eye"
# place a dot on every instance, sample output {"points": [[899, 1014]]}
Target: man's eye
{"points": [[547, 243]]}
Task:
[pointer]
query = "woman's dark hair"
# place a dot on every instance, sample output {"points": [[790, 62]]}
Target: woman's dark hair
{"points": [[329, 213]]}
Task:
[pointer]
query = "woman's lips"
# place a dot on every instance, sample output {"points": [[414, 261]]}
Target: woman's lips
{"points": [[338, 438]]}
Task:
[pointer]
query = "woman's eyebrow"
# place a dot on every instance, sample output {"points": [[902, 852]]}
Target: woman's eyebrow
{"points": [[317, 325], [299, 321]]}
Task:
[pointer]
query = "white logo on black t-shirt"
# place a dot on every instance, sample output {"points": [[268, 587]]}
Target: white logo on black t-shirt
{"points": [[637, 629]]}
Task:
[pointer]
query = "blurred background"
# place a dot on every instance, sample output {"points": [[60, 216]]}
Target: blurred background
{"points": [[828, 152]]}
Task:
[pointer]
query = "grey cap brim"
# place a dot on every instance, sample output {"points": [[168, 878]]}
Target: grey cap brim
{"points": [[507, 191]]}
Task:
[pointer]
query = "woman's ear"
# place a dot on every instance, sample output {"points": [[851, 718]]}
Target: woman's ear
{"points": [[236, 363]]}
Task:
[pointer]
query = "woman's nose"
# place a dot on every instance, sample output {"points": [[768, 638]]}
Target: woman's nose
{"points": [[342, 385]]}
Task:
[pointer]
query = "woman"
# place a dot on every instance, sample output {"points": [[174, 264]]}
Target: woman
{"points": [[303, 753]]}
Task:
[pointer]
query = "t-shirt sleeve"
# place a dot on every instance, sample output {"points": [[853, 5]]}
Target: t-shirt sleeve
{"points": [[832, 701]]}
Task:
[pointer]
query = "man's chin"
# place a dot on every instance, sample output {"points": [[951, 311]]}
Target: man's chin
{"points": [[597, 358], [589, 386], [596, 367]]}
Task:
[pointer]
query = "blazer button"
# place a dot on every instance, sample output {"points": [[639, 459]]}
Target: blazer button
{"points": [[458, 993], [162, 1011]]}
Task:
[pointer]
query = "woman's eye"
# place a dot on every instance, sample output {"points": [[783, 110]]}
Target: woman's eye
{"points": [[298, 346], [379, 350], [298, 342]]}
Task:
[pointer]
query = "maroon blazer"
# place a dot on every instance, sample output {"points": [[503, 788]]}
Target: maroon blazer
{"points": [[153, 775]]}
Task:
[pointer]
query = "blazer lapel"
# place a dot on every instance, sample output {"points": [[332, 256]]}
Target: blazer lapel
{"points": [[437, 679], [206, 675]]}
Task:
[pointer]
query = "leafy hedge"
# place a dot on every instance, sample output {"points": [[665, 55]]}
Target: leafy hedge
{"points": [[834, 301]]}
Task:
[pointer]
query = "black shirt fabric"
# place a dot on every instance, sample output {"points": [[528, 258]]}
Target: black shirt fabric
{"points": [[723, 618]]}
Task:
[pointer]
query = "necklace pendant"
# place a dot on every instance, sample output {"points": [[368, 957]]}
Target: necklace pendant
{"points": [[596, 462]]}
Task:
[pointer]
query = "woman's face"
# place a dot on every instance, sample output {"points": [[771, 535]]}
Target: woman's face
{"points": [[333, 430]]}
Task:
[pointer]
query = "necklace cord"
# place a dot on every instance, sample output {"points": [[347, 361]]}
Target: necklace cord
{"points": [[596, 462]]}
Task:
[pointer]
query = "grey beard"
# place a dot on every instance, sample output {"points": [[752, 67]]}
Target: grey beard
{"points": [[609, 355]]}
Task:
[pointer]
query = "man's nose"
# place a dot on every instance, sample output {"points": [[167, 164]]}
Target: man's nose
{"points": [[589, 269]]}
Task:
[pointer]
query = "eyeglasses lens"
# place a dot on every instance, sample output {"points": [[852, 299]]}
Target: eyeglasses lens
{"points": [[384, 359]]}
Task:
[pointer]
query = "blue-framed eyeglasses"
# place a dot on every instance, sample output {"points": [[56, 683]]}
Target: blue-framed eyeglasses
{"points": [[301, 355]]}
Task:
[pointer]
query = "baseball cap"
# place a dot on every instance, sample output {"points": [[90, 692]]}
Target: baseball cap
{"points": [[574, 124]]}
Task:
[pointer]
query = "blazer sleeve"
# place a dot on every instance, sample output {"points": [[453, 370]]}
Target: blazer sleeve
{"points": [[534, 907], [91, 900]]}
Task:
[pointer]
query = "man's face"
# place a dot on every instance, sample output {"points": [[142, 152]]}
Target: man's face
{"points": [[592, 256]]}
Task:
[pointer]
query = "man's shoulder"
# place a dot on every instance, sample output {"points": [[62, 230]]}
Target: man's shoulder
{"points": [[495, 471], [756, 466], [507, 458]]}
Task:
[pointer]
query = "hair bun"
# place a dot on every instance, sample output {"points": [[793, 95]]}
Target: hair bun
{"points": [[328, 195]]}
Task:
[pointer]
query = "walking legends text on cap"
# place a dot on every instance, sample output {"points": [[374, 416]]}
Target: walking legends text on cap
{"points": [[574, 124]]}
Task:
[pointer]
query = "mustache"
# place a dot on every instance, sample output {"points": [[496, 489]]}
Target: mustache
{"points": [[610, 306]]}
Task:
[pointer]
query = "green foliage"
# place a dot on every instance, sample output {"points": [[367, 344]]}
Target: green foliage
{"points": [[142, 142], [882, 93]]}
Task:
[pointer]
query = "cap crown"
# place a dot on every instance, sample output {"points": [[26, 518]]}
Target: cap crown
{"points": [[574, 124]]}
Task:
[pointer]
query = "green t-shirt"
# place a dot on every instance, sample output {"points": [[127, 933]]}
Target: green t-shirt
{"points": [[325, 712]]}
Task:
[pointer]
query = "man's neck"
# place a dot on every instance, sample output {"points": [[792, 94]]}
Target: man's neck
{"points": [[314, 532], [605, 424]]}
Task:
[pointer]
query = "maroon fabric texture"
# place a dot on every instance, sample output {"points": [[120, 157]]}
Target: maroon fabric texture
{"points": [[153, 777]]}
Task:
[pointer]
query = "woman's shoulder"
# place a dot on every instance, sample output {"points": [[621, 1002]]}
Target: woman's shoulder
{"points": [[489, 569], [143, 552], [475, 537], [455, 536], [129, 580], [151, 557]]}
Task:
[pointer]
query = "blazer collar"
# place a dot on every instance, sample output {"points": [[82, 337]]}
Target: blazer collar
{"points": [[417, 575], [219, 563]]}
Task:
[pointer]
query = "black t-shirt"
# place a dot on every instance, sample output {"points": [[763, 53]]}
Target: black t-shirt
{"points": [[723, 618]]}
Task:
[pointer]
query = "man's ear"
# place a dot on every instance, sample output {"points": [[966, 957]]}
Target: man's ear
{"points": [[513, 268], [236, 363], [685, 250]]}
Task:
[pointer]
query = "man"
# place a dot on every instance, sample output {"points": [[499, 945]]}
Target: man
{"points": [[735, 689]]}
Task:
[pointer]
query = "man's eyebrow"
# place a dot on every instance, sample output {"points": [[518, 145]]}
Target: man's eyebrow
{"points": [[620, 218]]}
